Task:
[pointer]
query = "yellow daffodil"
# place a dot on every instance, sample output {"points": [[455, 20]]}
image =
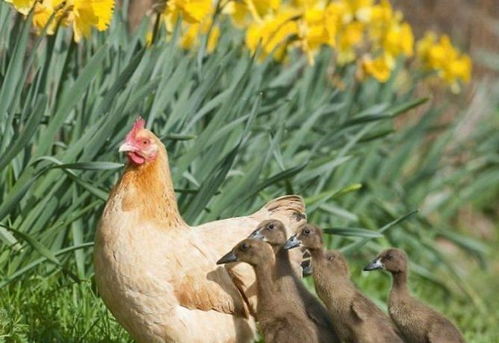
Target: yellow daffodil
{"points": [[264, 6], [380, 68], [244, 12], [334, 17], [42, 14], [190, 38], [382, 13], [313, 31], [347, 40], [359, 10], [103, 10], [272, 33], [459, 68], [22, 6], [238, 12], [82, 15], [149, 36], [441, 56], [351, 34], [306, 4], [192, 11], [399, 40], [88, 14]]}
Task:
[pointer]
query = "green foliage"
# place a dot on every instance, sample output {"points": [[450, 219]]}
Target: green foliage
{"points": [[238, 133]]}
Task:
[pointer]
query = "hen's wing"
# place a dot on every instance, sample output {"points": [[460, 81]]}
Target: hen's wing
{"points": [[200, 284]]}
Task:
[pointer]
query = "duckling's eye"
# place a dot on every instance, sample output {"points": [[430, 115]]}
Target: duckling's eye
{"points": [[306, 231], [388, 257], [270, 226], [330, 258], [244, 246]]}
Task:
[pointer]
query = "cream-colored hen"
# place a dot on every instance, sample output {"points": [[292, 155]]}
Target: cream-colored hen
{"points": [[156, 274]]}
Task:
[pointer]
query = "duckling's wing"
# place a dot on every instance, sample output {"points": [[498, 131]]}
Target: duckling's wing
{"points": [[443, 331], [365, 310], [319, 315], [360, 309]]}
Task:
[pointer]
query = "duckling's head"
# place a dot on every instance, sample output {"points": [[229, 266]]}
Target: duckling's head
{"points": [[392, 260], [251, 251], [271, 231], [336, 262], [308, 236]]}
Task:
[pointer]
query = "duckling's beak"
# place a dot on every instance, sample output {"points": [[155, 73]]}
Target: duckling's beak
{"points": [[374, 265], [257, 235], [306, 268], [292, 242], [227, 258]]}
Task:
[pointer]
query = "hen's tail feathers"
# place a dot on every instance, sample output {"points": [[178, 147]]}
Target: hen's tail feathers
{"points": [[289, 208], [290, 205]]}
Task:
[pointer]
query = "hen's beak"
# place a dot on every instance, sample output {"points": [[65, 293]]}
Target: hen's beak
{"points": [[126, 147], [257, 235], [292, 242], [227, 258], [374, 265]]}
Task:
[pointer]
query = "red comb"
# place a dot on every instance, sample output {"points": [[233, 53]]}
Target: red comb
{"points": [[139, 124]]}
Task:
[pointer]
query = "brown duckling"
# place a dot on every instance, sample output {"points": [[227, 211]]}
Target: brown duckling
{"points": [[279, 320], [287, 281], [356, 318], [417, 322]]}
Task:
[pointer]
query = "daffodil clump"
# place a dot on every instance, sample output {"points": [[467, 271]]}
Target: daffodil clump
{"points": [[368, 33], [438, 54], [81, 15]]}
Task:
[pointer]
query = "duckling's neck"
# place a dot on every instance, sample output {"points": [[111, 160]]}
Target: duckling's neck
{"points": [[334, 277], [399, 285], [317, 263], [317, 253], [283, 266], [265, 285]]}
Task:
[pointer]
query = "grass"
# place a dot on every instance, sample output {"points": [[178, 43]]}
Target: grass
{"points": [[57, 311], [238, 134]]}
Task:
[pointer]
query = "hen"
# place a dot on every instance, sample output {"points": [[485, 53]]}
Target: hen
{"points": [[158, 275]]}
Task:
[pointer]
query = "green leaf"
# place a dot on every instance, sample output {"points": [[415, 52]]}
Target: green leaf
{"points": [[357, 245], [35, 244], [90, 165], [356, 232]]}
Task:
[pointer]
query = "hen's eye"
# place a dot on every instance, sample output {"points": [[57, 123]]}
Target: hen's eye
{"points": [[145, 141]]}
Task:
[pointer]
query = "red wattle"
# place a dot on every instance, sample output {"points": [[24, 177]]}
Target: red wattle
{"points": [[136, 158]]}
